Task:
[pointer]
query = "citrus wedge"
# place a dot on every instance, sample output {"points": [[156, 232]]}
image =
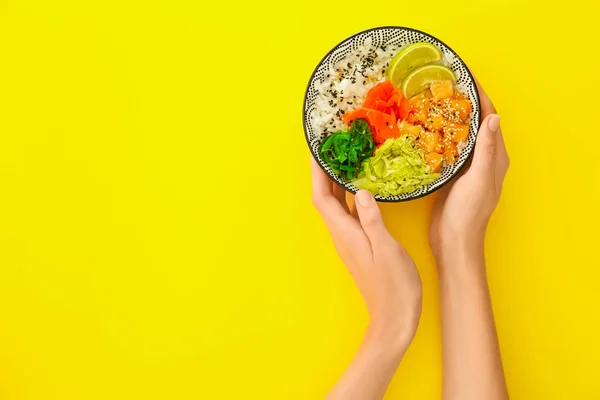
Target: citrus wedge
{"points": [[409, 58], [422, 77]]}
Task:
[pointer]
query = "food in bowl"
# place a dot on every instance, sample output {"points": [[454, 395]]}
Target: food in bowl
{"points": [[389, 118]]}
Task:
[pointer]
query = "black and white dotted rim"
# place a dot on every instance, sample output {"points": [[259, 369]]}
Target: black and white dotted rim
{"points": [[401, 36]]}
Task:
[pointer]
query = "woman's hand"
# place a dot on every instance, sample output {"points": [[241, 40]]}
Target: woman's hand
{"points": [[385, 274], [387, 279], [464, 208], [472, 366]]}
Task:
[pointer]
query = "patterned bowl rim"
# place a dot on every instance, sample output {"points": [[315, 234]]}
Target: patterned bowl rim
{"points": [[349, 38]]}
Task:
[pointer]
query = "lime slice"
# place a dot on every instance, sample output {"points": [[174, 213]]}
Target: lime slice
{"points": [[421, 78], [413, 56]]}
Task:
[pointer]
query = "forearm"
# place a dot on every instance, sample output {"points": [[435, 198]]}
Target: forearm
{"points": [[372, 368], [472, 366]]}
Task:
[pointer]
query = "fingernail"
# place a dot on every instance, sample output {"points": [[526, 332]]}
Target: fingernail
{"points": [[364, 198], [493, 122]]}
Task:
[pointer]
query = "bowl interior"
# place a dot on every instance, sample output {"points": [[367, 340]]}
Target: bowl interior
{"points": [[397, 36]]}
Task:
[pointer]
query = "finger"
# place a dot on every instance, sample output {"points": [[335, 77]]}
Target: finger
{"points": [[322, 192], [502, 159], [486, 147], [321, 184], [371, 219], [351, 202], [487, 107], [336, 217], [353, 209], [348, 237], [340, 194], [502, 152]]}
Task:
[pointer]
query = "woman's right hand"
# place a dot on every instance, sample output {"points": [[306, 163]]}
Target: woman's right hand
{"points": [[464, 208]]}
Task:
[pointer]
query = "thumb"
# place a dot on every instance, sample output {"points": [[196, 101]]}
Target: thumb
{"points": [[487, 145], [370, 218]]}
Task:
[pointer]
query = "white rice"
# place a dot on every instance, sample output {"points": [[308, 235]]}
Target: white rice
{"points": [[346, 83], [448, 58]]}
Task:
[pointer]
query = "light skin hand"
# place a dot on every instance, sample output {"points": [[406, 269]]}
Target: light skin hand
{"points": [[385, 276], [472, 365], [463, 209]]}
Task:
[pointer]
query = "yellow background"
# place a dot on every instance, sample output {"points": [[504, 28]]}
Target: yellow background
{"points": [[157, 239]]}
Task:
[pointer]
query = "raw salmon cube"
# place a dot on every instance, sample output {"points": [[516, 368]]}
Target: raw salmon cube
{"points": [[431, 142], [419, 101], [420, 106], [463, 107], [458, 132], [441, 90], [435, 124], [409, 129], [434, 160]]}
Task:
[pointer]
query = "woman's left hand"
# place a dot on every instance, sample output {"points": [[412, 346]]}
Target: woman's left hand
{"points": [[385, 274]]}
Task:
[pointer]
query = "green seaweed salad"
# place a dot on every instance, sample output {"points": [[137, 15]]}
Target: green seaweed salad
{"points": [[345, 151]]}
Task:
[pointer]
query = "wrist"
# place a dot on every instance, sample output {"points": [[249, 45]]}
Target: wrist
{"points": [[461, 254], [395, 332], [451, 242], [393, 341]]}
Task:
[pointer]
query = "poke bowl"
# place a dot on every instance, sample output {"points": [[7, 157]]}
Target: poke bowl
{"points": [[391, 110]]}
